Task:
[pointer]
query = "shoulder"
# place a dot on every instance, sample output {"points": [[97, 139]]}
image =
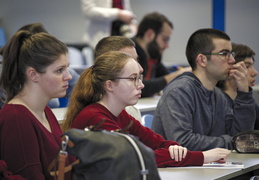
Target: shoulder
{"points": [[90, 115], [125, 114], [183, 83], [13, 110], [222, 95], [93, 109], [16, 117]]}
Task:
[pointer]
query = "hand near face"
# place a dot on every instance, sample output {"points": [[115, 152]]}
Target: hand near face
{"points": [[177, 153], [216, 155], [239, 74]]}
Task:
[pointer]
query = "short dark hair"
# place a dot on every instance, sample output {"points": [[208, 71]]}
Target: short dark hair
{"points": [[201, 41], [112, 43], [152, 21], [242, 52]]}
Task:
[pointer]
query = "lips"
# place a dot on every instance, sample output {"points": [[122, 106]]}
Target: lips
{"points": [[252, 83], [66, 86], [139, 95]]}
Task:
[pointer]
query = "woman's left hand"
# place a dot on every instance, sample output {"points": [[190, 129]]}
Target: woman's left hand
{"points": [[178, 153]]}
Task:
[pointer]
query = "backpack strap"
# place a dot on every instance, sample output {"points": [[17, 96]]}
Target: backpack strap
{"points": [[61, 159]]}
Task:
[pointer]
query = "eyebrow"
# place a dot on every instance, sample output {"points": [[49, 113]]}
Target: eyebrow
{"points": [[248, 63], [225, 50], [134, 74]]}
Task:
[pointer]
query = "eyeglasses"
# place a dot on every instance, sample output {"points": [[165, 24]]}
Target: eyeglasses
{"points": [[226, 54], [136, 79]]}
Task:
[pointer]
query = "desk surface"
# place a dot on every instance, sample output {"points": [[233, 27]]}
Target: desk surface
{"points": [[251, 163], [147, 104], [144, 105]]}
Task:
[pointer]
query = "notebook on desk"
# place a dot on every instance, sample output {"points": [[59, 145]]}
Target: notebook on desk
{"points": [[215, 165], [226, 165]]}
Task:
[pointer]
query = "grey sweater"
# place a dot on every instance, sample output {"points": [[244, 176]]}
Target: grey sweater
{"points": [[200, 119]]}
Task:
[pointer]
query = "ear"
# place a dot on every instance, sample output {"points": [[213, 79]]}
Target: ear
{"points": [[201, 60], [109, 85], [32, 74], [150, 35]]}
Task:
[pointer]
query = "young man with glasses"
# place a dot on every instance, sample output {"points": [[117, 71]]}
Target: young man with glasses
{"points": [[192, 110], [153, 36]]}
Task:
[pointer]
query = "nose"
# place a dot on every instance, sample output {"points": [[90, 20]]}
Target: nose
{"points": [[231, 59], [166, 44], [67, 75], [140, 84], [140, 68], [254, 73]]}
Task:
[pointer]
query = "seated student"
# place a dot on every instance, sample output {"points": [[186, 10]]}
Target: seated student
{"points": [[125, 45], [246, 54], [192, 110], [152, 39], [105, 89], [35, 70], [37, 28]]}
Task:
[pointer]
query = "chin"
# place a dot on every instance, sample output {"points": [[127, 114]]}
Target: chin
{"points": [[133, 103], [61, 95]]}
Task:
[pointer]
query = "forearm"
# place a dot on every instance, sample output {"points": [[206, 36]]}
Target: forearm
{"points": [[244, 112], [163, 159], [196, 141]]}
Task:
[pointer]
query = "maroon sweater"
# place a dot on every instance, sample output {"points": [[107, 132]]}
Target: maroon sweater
{"points": [[25, 144], [94, 113]]}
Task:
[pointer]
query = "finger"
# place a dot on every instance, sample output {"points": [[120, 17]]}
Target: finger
{"points": [[240, 65], [185, 152], [238, 75], [222, 160], [241, 68], [180, 153], [171, 151], [176, 153]]}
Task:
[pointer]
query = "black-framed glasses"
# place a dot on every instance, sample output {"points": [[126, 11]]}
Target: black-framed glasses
{"points": [[226, 54], [136, 79]]}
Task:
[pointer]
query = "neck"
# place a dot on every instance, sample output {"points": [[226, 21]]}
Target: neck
{"points": [[31, 100], [143, 44], [35, 107], [112, 106], [28, 103], [208, 82]]}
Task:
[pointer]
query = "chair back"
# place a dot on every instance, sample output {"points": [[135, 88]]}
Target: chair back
{"points": [[88, 56], [147, 120], [2, 37]]}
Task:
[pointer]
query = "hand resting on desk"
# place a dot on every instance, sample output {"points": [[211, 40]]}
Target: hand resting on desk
{"points": [[216, 155]]}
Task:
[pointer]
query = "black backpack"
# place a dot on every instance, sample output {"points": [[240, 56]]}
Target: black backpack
{"points": [[109, 155]]}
